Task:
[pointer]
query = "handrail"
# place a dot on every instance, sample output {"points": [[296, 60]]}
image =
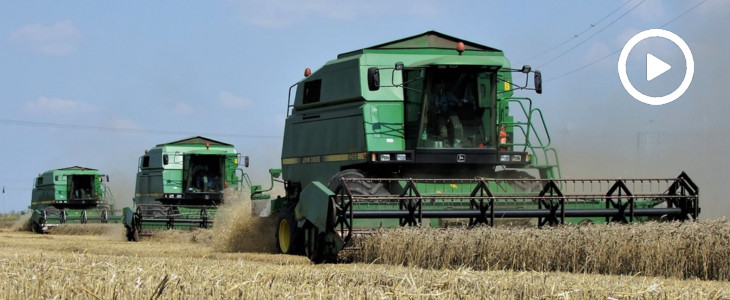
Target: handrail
{"points": [[528, 130]]}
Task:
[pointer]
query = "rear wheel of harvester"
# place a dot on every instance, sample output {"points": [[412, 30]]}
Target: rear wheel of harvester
{"points": [[357, 187], [286, 233], [520, 186]]}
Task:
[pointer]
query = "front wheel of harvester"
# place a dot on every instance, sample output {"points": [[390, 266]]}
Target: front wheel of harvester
{"points": [[286, 233], [35, 227], [130, 234], [133, 230], [315, 246]]}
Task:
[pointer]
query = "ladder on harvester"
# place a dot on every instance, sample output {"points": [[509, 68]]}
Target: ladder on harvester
{"points": [[525, 136]]}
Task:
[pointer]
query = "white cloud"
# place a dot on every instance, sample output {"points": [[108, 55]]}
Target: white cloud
{"points": [[597, 51], [230, 100], [182, 108], [281, 13], [55, 105], [61, 38], [653, 10], [123, 124]]}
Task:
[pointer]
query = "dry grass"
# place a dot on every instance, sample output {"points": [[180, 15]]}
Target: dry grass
{"points": [[112, 231], [89, 267], [680, 250]]}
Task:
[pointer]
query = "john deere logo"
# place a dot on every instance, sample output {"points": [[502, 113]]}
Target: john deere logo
{"points": [[461, 158]]}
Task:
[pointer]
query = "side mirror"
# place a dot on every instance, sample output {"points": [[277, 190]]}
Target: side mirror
{"points": [[107, 178], [275, 173], [373, 78], [538, 82], [245, 161]]}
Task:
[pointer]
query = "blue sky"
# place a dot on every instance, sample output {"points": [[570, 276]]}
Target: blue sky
{"points": [[95, 83]]}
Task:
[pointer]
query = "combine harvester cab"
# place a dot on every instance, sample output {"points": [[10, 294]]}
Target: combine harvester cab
{"points": [[181, 184], [71, 195], [425, 131]]}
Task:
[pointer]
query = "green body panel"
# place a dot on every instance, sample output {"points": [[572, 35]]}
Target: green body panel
{"points": [[384, 126], [71, 195], [314, 197], [180, 185], [159, 176], [76, 187], [347, 118], [338, 122]]}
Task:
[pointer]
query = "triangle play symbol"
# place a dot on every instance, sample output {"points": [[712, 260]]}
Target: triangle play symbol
{"points": [[655, 67]]}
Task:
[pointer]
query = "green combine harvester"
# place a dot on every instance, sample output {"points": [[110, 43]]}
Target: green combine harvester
{"points": [[180, 185], [71, 195], [426, 131]]}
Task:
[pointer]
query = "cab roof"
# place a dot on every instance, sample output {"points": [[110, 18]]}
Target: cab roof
{"points": [[196, 140], [77, 168], [430, 39]]}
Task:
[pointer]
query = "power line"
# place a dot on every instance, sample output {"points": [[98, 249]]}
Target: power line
{"points": [[684, 13], [591, 36], [584, 66], [126, 130], [619, 50], [575, 36]]}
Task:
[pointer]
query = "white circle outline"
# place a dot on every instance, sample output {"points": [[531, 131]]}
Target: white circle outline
{"points": [[689, 72]]}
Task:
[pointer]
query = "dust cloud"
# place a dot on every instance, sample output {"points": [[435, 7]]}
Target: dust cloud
{"points": [[22, 223], [237, 230]]}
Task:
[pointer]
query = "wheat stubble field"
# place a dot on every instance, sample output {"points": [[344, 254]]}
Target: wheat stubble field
{"points": [[97, 263]]}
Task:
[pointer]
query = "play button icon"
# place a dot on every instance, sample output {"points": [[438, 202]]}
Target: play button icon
{"points": [[655, 67]]}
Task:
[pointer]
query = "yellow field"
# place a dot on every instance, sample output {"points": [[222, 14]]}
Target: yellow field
{"points": [[189, 265]]}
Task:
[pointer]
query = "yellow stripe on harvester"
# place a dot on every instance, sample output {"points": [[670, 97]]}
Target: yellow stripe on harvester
{"points": [[323, 158], [290, 161]]}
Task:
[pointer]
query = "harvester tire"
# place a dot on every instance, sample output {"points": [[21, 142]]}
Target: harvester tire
{"points": [[132, 234], [37, 228], [286, 234], [156, 209], [133, 230], [359, 187], [310, 240], [315, 245]]}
